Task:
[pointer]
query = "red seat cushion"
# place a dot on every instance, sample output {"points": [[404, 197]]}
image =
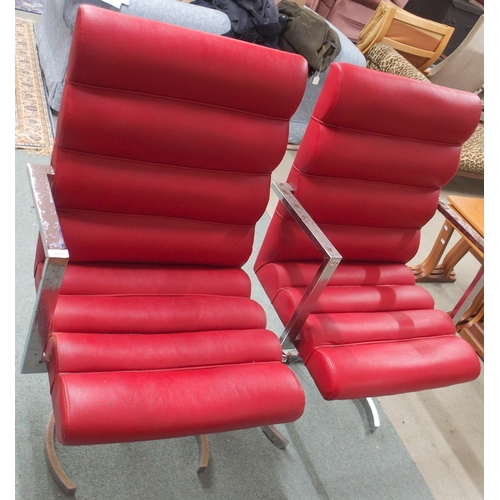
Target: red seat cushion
{"points": [[137, 354], [122, 406], [374, 369], [372, 332]]}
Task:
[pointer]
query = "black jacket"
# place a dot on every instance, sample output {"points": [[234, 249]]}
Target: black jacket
{"points": [[255, 21]]}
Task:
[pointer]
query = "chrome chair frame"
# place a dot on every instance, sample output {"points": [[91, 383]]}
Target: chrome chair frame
{"points": [[34, 358], [331, 260]]}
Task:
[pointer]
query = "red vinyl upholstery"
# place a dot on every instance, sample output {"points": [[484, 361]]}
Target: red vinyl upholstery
{"points": [[369, 171], [165, 144]]}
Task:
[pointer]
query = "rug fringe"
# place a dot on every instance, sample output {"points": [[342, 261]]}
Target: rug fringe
{"points": [[37, 151]]}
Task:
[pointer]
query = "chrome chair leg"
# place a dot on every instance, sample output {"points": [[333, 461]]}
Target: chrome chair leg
{"points": [[275, 436], [371, 412], [291, 356]]}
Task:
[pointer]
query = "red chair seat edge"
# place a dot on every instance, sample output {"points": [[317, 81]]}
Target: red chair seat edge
{"points": [[111, 407]]}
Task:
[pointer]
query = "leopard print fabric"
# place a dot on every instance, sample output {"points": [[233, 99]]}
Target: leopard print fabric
{"points": [[472, 154], [382, 57]]}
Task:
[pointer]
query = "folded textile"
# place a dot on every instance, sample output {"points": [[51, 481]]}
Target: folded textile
{"points": [[309, 35]]}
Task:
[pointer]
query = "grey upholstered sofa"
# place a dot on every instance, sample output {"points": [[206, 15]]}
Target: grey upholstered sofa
{"points": [[55, 29]]}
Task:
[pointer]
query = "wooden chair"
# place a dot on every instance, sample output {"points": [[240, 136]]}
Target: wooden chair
{"points": [[419, 40]]}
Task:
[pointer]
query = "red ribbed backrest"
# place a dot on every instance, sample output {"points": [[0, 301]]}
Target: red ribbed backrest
{"points": [[166, 140], [374, 157]]}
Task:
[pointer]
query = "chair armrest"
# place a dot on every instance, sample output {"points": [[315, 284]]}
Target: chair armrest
{"points": [[48, 220], [331, 259], [56, 259]]}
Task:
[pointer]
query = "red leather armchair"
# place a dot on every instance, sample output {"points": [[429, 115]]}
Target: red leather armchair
{"points": [[165, 144], [349, 16], [366, 178]]}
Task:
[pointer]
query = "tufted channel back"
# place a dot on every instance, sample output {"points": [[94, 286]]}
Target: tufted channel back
{"points": [[166, 140], [374, 157]]}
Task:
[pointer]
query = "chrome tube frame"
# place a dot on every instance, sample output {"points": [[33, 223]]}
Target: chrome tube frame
{"points": [[56, 259], [331, 259]]}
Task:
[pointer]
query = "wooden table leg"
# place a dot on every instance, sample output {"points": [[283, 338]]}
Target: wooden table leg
{"points": [[453, 257], [429, 270], [471, 324]]}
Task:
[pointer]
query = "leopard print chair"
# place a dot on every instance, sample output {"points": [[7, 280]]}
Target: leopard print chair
{"points": [[382, 57]]}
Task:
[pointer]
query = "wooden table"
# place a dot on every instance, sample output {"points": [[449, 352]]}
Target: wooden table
{"points": [[466, 215]]}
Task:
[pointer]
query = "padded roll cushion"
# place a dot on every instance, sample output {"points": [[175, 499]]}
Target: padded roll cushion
{"points": [[381, 369], [278, 276], [136, 279], [88, 352], [98, 408], [140, 46], [155, 314], [346, 328], [350, 100], [356, 299]]}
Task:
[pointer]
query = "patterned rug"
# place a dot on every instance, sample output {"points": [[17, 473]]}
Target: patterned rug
{"points": [[35, 6], [33, 128]]}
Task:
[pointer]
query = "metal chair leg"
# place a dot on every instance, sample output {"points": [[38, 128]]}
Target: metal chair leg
{"points": [[204, 452], [55, 469], [67, 486], [275, 436], [371, 412]]}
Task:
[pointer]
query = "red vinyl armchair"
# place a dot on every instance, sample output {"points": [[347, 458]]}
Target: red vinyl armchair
{"points": [[165, 144], [365, 179]]}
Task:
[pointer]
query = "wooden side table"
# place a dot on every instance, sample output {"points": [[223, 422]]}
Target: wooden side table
{"points": [[466, 215]]}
